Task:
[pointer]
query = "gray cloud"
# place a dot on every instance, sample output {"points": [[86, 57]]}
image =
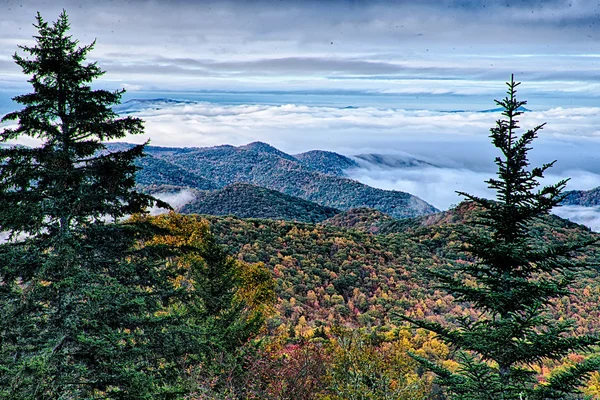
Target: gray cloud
{"points": [[276, 44]]}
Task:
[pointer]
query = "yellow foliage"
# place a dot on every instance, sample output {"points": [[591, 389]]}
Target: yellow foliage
{"points": [[593, 387], [189, 233]]}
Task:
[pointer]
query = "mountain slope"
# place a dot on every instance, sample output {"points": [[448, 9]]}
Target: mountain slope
{"points": [[225, 165], [362, 219], [329, 274], [587, 198], [249, 201], [155, 171]]}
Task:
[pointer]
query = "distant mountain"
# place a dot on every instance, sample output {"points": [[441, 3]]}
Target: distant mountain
{"points": [[262, 165], [494, 110], [392, 160], [315, 176], [261, 147], [587, 198], [155, 171], [326, 162], [134, 105], [249, 201]]}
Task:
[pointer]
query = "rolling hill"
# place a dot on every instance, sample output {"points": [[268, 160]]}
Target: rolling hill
{"points": [[339, 275], [248, 201]]}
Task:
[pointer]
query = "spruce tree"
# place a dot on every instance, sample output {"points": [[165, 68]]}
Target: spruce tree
{"points": [[511, 283], [85, 307]]}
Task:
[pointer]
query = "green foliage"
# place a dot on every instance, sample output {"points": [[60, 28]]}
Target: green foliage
{"points": [[65, 182], [512, 283], [89, 322], [228, 299], [78, 299], [249, 201], [224, 306]]}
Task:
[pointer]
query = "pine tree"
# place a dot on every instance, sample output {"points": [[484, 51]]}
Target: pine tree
{"points": [[512, 283], [84, 305], [230, 297], [225, 305]]}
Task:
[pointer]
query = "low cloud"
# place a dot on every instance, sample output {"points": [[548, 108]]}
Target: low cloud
{"points": [[438, 185], [175, 200], [588, 216]]}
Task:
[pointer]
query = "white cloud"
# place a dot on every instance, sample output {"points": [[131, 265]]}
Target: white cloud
{"points": [[175, 200], [588, 216], [437, 186]]}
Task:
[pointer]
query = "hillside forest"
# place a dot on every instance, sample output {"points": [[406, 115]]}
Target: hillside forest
{"points": [[282, 278]]}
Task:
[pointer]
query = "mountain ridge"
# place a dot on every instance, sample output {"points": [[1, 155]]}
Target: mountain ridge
{"points": [[263, 165]]}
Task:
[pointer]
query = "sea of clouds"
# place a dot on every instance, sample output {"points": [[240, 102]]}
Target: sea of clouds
{"points": [[454, 147]]}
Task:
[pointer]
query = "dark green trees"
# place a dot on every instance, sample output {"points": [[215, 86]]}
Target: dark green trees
{"points": [[512, 282], [84, 306]]}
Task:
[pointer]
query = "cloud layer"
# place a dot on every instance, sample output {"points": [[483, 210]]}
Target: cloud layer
{"points": [[455, 145], [588, 216]]}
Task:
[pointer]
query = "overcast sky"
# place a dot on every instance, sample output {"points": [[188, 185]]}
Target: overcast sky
{"points": [[289, 69], [441, 47]]}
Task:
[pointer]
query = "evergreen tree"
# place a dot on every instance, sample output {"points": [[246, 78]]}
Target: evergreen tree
{"points": [[225, 305], [84, 305], [511, 283], [227, 299]]}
